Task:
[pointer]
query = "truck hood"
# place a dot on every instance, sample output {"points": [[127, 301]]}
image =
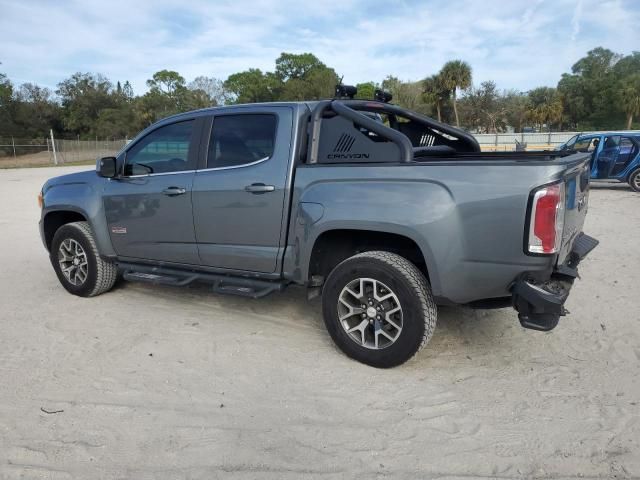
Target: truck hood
{"points": [[88, 176]]}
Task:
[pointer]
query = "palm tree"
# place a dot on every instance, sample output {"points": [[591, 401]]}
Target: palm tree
{"points": [[630, 97], [545, 106], [434, 92], [456, 74]]}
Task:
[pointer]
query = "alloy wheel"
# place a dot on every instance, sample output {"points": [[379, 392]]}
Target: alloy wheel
{"points": [[370, 313], [73, 262]]}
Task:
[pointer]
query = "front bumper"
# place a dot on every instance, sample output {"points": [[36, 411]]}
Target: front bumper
{"points": [[541, 304]]}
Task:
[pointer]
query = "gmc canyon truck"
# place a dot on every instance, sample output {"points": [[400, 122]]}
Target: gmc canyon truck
{"points": [[384, 212]]}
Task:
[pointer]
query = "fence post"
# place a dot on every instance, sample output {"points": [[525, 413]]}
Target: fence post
{"points": [[13, 143], [549, 140], [53, 145]]}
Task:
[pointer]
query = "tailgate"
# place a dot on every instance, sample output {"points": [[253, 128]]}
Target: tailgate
{"points": [[576, 180]]}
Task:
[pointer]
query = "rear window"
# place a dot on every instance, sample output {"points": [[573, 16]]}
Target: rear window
{"points": [[241, 139]]}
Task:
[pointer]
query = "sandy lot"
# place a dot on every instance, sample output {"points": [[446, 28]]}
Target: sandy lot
{"points": [[166, 383]]}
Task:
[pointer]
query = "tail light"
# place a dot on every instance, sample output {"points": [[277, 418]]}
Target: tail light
{"points": [[547, 219]]}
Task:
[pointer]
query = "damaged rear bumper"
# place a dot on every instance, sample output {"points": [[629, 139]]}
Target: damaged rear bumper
{"points": [[541, 304]]}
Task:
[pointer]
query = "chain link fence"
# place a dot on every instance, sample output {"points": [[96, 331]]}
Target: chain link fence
{"points": [[22, 152]]}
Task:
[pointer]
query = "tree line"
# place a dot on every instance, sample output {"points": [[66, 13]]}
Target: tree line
{"points": [[602, 91]]}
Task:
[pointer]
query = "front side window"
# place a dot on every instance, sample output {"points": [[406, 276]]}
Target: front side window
{"points": [[164, 150], [241, 139], [582, 144]]}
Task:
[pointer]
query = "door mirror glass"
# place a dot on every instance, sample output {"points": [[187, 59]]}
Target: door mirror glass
{"points": [[107, 167]]}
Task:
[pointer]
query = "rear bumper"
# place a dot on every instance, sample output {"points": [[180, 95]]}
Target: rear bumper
{"points": [[541, 304]]}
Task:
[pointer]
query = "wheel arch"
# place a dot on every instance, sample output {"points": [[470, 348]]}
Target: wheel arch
{"points": [[333, 245], [55, 219]]}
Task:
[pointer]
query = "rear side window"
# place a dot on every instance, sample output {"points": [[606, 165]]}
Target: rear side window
{"points": [[164, 150], [241, 139]]}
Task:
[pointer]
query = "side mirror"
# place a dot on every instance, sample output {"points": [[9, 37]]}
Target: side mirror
{"points": [[107, 167]]}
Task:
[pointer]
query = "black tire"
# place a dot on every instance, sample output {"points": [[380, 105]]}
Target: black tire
{"points": [[634, 180], [101, 275], [419, 312]]}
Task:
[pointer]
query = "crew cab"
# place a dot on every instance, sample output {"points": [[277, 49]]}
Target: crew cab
{"points": [[615, 155], [384, 212]]}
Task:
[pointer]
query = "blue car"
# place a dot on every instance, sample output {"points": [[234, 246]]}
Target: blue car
{"points": [[616, 156]]}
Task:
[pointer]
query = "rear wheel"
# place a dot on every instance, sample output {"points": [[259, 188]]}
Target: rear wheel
{"points": [[634, 180], [77, 263], [378, 308]]}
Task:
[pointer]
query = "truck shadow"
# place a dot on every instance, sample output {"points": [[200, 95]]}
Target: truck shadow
{"points": [[459, 329]]}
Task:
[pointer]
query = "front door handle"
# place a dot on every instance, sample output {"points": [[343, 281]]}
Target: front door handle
{"points": [[173, 191], [259, 188]]}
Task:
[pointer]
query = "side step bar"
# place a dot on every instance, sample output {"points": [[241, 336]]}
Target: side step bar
{"points": [[243, 286]]}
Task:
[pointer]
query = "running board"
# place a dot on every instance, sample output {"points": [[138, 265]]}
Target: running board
{"points": [[243, 286]]}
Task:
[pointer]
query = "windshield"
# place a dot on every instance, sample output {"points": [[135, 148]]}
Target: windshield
{"points": [[570, 143]]}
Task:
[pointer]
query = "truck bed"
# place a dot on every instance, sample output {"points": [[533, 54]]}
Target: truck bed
{"points": [[468, 213]]}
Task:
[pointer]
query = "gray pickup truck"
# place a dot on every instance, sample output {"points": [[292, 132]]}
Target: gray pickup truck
{"points": [[385, 212]]}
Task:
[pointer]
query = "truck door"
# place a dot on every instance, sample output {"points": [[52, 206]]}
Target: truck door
{"points": [[148, 209], [239, 195], [606, 158]]}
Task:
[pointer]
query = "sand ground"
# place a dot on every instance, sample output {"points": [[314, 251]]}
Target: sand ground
{"points": [[166, 383]]}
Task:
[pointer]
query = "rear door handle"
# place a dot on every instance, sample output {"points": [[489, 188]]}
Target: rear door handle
{"points": [[173, 191], [259, 188]]}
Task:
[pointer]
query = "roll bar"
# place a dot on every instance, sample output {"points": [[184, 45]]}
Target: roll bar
{"points": [[349, 109], [400, 139]]}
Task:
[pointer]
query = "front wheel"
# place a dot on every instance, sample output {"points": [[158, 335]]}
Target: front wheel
{"points": [[634, 180], [378, 308], [77, 263]]}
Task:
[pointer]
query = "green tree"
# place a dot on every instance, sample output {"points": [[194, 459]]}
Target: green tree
{"points": [[516, 107], [6, 106], [83, 97], [545, 107], [167, 82], [590, 92], [303, 77], [366, 90], [116, 123], [455, 75], [167, 95], [406, 94], [435, 93], [252, 86], [317, 84], [35, 111], [483, 108], [291, 65], [6, 91], [209, 91], [574, 99], [629, 94]]}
